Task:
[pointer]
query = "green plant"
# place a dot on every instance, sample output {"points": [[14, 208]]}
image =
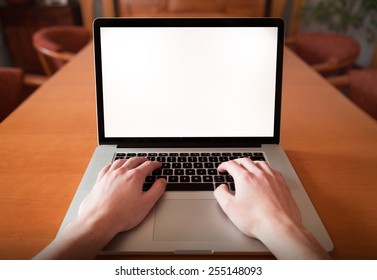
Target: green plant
{"points": [[341, 16]]}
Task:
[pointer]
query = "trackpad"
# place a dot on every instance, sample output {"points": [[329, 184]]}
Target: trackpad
{"points": [[191, 220]]}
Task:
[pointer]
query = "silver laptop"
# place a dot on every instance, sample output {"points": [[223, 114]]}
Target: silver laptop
{"points": [[190, 93]]}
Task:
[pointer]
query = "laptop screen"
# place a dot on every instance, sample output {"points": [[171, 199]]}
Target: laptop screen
{"points": [[189, 82]]}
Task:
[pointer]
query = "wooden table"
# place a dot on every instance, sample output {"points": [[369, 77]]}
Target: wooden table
{"points": [[46, 144]]}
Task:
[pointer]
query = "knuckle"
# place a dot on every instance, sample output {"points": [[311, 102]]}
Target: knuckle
{"points": [[133, 173], [118, 172], [243, 174], [279, 175]]}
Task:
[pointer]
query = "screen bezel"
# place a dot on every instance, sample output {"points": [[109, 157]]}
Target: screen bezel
{"points": [[197, 23]]}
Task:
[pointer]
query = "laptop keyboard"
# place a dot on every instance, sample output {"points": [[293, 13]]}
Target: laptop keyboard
{"points": [[191, 171]]}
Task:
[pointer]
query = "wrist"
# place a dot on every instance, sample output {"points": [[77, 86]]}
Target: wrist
{"points": [[94, 225], [289, 239]]}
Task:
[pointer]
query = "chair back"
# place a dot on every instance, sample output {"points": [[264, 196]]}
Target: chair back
{"points": [[363, 89], [11, 89], [57, 44]]}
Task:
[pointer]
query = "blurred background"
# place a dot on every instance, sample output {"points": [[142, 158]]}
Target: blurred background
{"points": [[337, 38]]}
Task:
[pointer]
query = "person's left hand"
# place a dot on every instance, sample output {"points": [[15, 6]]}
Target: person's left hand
{"points": [[117, 200]]}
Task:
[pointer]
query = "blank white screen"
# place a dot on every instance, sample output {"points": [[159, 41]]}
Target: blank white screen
{"points": [[189, 82]]}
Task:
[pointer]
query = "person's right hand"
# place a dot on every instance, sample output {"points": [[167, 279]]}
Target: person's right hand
{"points": [[261, 196], [263, 207]]}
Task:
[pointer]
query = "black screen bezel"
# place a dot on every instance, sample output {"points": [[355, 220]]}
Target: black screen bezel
{"points": [[188, 22]]}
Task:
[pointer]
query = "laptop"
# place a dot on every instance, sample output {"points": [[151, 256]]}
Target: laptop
{"points": [[191, 93]]}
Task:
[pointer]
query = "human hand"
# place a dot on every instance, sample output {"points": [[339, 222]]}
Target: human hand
{"points": [[117, 199], [263, 207], [261, 199]]}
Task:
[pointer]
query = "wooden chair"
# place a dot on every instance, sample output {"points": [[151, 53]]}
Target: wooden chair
{"points": [[15, 87], [327, 53], [362, 88], [58, 44]]}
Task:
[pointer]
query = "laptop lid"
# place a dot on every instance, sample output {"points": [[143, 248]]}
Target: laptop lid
{"points": [[188, 82]]}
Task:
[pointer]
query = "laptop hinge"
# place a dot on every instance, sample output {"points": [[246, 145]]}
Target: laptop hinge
{"points": [[187, 145]]}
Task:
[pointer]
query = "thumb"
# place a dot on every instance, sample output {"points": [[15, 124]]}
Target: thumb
{"points": [[155, 192], [224, 198]]}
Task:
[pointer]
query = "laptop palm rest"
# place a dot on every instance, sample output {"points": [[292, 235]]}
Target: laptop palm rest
{"points": [[191, 220]]}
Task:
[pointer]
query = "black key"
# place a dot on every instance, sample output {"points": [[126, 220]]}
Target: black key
{"points": [[157, 172], [176, 165], [182, 159], [189, 187], [258, 154], [179, 172], [215, 154], [165, 165], [184, 179], [147, 186], [187, 165], [237, 154], [216, 164], [219, 179], [198, 165], [131, 154], [192, 159], [209, 165], [163, 154], [190, 171], [171, 159], [168, 172], [184, 154], [120, 154], [203, 159], [194, 154], [173, 154], [212, 172], [118, 158], [229, 179], [254, 158], [161, 159], [201, 172], [213, 159], [152, 154], [223, 159], [152, 158], [226, 154], [173, 179], [141, 154], [207, 179], [150, 179], [247, 154], [205, 154], [196, 179]]}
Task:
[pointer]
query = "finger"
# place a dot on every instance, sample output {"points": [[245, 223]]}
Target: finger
{"points": [[103, 171], [232, 167], [147, 167], [224, 197], [155, 192], [284, 189], [134, 162], [263, 165], [248, 164], [116, 164]]}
